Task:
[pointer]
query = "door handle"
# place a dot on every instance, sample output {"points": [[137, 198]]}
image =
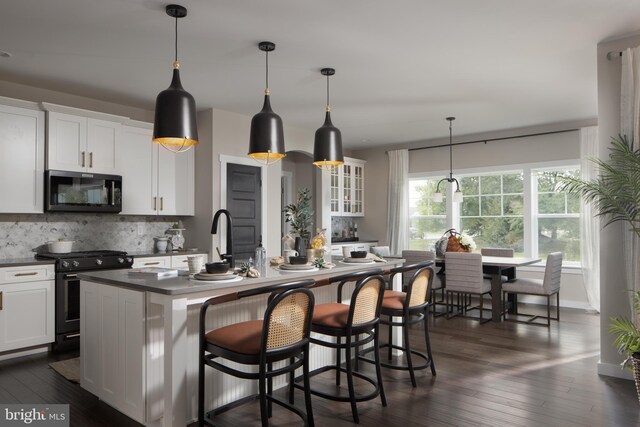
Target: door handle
{"points": [[83, 158], [161, 203], [152, 263], [154, 203], [91, 159], [113, 193], [25, 274], [1, 301]]}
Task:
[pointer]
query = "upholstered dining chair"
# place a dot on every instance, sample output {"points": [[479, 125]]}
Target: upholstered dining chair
{"points": [[546, 287], [503, 252], [465, 278], [381, 251], [438, 284]]}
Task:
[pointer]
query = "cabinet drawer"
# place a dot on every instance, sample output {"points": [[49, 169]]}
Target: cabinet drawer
{"points": [[159, 261], [181, 261], [27, 273]]}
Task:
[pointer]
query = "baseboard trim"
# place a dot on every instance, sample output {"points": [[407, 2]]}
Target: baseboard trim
{"points": [[19, 353], [613, 370]]}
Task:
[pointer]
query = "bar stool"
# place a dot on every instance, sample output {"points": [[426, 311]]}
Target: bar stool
{"points": [[412, 307], [360, 317], [283, 334]]}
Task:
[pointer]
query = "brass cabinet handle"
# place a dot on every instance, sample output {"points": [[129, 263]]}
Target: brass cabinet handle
{"points": [[154, 203], [161, 203], [83, 158], [91, 159], [152, 263], [26, 274]]}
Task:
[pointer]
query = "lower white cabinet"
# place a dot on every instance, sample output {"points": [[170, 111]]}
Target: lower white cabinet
{"points": [[26, 307], [155, 261], [336, 249], [112, 353]]}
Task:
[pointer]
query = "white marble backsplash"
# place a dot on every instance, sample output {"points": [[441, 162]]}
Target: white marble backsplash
{"points": [[21, 234]]}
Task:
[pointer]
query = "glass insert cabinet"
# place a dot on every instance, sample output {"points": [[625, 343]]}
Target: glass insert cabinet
{"points": [[347, 188]]}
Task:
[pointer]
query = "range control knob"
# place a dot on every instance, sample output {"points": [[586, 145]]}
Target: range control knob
{"points": [[129, 259], [65, 264], [99, 261], [120, 260], [76, 264]]}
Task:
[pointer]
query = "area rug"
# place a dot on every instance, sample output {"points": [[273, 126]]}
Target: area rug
{"points": [[70, 369]]}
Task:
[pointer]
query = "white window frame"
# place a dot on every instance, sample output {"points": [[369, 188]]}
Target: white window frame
{"points": [[530, 202]]}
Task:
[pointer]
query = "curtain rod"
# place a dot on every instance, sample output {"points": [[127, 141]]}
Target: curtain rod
{"points": [[495, 139]]}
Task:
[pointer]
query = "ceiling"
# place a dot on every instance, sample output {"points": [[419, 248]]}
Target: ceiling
{"points": [[401, 66]]}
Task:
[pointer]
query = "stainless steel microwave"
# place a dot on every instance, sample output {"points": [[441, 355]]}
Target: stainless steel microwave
{"points": [[82, 192]]}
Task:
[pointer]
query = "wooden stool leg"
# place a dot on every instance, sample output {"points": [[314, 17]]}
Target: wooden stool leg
{"points": [[390, 339], [427, 341], [338, 360], [352, 392], [264, 410], [269, 390], [292, 376], [376, 342], [307, 387], [407, 351]]}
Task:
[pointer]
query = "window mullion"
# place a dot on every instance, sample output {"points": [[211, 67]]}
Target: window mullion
{"points": [[530, 217]]}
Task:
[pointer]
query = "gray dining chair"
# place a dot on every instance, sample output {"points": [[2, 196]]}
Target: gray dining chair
{"points": [[503, 252], [547, 287], [438, 284], [465, 278], [381, 251]]}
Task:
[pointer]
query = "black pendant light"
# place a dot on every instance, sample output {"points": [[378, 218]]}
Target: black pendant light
{"points": [[266, 141], [175, 126], [327, 149]]}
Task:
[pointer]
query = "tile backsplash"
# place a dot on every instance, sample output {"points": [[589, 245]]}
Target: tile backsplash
{"points": [[22, 234], [340, 223]]}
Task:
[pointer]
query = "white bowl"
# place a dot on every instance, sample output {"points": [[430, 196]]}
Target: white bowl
{"points": [[60, 246]]}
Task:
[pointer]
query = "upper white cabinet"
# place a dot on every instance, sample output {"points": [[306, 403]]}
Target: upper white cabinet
{"points": [[21, 159], [347, 188], [82, 144], [155, 180]]}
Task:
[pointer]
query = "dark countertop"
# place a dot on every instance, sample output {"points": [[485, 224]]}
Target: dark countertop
{"points": [[16, 262], [182, 285]]}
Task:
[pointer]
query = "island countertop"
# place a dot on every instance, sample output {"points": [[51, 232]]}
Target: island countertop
{"points": [[183, 285]]}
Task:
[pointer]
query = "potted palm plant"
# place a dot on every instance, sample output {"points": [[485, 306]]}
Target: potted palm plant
{"points": [[300, 216], [615, 193]]}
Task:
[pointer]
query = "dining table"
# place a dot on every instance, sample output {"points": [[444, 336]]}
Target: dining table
{"points": [[498, 267]]}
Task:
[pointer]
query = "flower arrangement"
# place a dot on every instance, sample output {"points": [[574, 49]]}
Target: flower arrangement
{"points": [[467, 242]]}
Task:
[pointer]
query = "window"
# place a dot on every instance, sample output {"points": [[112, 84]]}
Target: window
{"points": [[492, 210], [558, 215], [427, 219], [521, 208]]}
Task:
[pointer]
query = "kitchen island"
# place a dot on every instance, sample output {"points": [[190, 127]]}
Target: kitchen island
{"points": [[139, 338]]}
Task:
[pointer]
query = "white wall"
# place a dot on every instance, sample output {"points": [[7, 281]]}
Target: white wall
{"points": [[614, 300]]}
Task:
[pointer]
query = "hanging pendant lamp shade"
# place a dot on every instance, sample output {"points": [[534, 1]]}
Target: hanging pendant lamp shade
{"points": [[327, 148], [457, 195], [266, 140], [175, 126]]}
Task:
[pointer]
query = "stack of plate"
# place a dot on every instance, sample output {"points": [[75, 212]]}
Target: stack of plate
{"points": [[229, 276], [349, 260], [297, 267]]}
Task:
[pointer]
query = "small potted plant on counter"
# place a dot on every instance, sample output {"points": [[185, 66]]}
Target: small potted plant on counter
{"points": [[300, 216]]}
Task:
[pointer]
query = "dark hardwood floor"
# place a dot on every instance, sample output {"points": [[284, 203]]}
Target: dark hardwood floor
{"points": [[504, 374]]}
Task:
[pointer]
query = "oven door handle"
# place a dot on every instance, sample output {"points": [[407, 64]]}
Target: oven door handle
{"points": [[70, 276]]}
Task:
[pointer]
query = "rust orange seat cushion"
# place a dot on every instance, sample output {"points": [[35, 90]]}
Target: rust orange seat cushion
{"points": [[393, 300], [332, 315], [243, 337]]}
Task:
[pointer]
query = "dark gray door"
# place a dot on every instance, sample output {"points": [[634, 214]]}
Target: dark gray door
{"points": [[244, 201]]}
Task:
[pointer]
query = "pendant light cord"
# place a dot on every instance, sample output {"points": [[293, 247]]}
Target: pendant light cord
{"points": [[328, 104], [450, 152], [176, 41], [267, 72]]}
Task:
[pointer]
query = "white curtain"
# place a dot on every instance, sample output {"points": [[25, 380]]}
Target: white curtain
{"points": [[589, 222], [630, 126], [398, 201]]}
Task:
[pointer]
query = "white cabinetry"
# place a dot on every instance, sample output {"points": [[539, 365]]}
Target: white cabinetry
{"points": [[82, 144], [26, 306], [155, 181], [336, 249], [112, 352], [347, 188], [21, 159], [156, 261]]}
